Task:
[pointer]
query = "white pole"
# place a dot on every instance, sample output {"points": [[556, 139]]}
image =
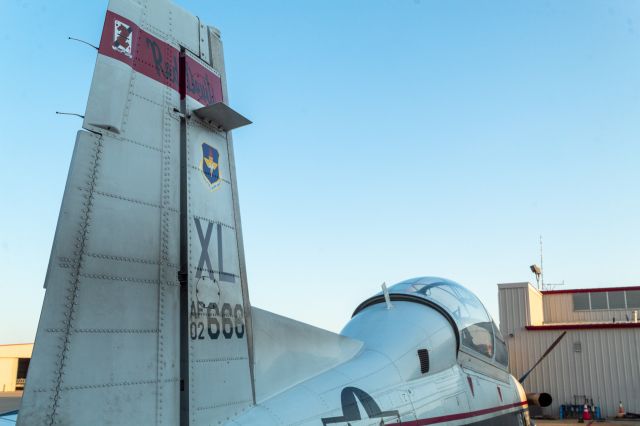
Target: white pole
{"points": [[541, 265]]}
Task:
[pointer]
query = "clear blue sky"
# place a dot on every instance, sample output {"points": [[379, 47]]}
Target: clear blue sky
{"points": [[391, 139]]}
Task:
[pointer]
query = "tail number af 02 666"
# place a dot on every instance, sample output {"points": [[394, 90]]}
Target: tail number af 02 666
{"points": [[213, 322]]}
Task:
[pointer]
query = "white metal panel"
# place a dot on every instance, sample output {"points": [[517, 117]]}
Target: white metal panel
{"points": [[116, 218], [111, 265], [288, 352], [422, 328], [171, 23], [185, 28], [108, 94], [128, 409], [132, 9], [205, 51], [70, 217], [220, 382], [216, 60], [143, 122], [137, 164], [130, 299], [427, 396], [107, 339], [44, 372], [157, 19]]}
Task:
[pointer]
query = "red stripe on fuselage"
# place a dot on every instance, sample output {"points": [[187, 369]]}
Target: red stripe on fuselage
{"points": [[159, 60], [460, 416]]}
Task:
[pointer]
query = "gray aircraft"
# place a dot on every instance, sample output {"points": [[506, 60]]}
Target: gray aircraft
{"points": [[146, 317]]}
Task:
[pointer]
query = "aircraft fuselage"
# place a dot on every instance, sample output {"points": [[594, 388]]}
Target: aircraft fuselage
{"points": [[387, 382]]}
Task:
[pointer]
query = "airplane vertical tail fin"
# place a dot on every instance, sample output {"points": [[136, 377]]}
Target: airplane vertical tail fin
{"points": [[150, 203]]}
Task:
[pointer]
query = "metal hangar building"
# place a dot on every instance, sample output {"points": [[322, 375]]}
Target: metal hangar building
{"points": [[599, 358]]}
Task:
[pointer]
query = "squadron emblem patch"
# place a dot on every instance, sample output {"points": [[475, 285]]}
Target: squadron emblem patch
{"points": [[210, 166], [122, 37]]}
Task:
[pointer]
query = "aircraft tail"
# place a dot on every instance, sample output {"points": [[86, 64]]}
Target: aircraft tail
{"points": [[146, 317]]}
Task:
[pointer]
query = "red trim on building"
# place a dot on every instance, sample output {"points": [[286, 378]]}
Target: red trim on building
{"points": [[588, 326], [459, 416], [590, 290]]}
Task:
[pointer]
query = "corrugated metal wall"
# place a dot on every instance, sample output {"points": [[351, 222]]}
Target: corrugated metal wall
{"points": [[559, 308], [606, 369], [513, 309], [536, 311]]}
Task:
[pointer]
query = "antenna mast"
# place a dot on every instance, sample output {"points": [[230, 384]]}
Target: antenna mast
{"points": [[541, 265]]}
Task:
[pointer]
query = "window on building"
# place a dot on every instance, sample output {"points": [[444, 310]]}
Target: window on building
{"points": [[599, 300], [580, 301], [606, 300], [616, 300], [633, 299]]}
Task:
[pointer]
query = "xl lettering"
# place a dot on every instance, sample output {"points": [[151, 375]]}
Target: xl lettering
{"points": [[204, 264]]}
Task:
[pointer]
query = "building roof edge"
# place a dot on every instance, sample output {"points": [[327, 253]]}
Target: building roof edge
{"points": [[585, 326], [590, 290]]}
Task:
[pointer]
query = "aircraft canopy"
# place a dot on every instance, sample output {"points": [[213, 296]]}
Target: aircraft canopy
{"points": [[477, 330]]}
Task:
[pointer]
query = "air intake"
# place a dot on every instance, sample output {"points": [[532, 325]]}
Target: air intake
{"points": [[423, 355]]}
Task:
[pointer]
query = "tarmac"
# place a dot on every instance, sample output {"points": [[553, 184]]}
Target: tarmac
{"points": [[10, 401], [588, 422]]}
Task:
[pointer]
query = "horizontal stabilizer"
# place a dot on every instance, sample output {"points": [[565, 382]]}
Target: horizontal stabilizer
{"points": [[288, 352]]}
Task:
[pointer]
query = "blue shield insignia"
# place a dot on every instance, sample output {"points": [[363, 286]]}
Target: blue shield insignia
{"points": [[210, 166]]}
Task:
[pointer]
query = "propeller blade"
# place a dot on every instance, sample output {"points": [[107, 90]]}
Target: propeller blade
{"points": [[553, 345]]}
